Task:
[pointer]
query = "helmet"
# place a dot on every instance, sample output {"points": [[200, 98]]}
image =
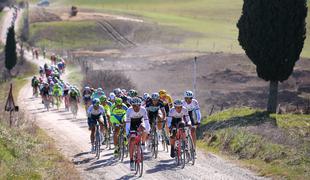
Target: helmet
{"points": [[132, 93], [87, 88], [124, 91], [99, 89], [188, 94], [162, 92], [96, 102], [155, 96], [118, 101], [136, 101], [103, 98], [117, 91], [112, 95], [146, 96], [34, 77], [177, 103]]}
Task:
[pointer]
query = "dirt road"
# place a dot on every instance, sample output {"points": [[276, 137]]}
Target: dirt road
{"points": [[72, 139]]}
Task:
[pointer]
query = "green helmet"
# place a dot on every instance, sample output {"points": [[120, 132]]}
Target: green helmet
{"points": [[103, 98], [118, 101]]}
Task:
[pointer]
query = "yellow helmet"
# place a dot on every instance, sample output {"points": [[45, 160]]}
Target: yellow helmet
{"points": [[162, 92]]}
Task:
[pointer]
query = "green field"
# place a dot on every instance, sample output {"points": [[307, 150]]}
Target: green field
{"points": [[215, 20], [67, 35], [238, 133]]}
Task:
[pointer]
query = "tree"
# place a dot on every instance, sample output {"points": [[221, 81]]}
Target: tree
{"points": [[10, 50], [272, 33]]}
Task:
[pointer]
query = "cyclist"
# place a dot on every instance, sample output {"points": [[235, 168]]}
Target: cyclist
{"points": [[106, 105], [166, 98], [178, 115], [57, 93], [87, 97], [112, 97], [145, 98], [153, 106], [73, 96], [119, 93], [95, 113], [136, 116], [192, 107], [45, 92], [66, 89], [98, 93], [35, 85], [118, 114]]}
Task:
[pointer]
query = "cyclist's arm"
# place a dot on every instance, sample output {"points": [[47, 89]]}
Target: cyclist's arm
{"points": [[146, 121], [186, 117], [169, 119], [127, 120], [197, 111]]}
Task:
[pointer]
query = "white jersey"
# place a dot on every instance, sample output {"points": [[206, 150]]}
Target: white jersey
{"points": [[183, 115], [92, 111], [194, 107], [131, 114]]}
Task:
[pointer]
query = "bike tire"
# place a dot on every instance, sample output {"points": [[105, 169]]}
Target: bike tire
{"points": [[97, 144], [183, 154], [192, 150], [155, 144]]}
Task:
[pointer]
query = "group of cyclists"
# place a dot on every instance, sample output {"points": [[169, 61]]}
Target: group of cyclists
{"points": [[122, 113], [143, 114]]}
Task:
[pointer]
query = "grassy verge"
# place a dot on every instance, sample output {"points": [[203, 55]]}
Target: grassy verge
{"points": [[67, 35], [274, 145], [28, 153], [216, 20]]}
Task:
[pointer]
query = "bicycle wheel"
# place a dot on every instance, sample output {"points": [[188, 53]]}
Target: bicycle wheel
{"points": [[155, 145], [97, 143], [139, 161], [191, 149], [182, 154], [176, 152]]}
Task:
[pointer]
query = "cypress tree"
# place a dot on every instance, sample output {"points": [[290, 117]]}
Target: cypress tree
{"points": [[272, 33], [10, 50]]}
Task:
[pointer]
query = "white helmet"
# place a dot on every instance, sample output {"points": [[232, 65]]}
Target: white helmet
{"points": [[146, 96], [112, 96], [188, 94]]}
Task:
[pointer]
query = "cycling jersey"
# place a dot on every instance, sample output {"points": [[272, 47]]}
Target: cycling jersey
{"points": [[34, 82], [73, 94], [118, 114], [97, 95], [57, 91], [45, 91], [193, 107], [167, 100], [87, 93], [135, 119], [94, 115], [174, 117], [153, 109]]}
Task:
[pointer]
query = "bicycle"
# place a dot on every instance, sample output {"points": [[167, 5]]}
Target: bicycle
{"points": [[97, 141], [67, 103], [74, 108], [190, 150], [180, 146], [108, 136], [154, 140], [122, 146], [46, 102], [164, 136], [58, 101], [138, 155]]}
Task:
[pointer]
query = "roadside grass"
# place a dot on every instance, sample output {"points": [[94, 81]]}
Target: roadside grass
{"points": [[273, 145], [215, 20], [67, 35]]}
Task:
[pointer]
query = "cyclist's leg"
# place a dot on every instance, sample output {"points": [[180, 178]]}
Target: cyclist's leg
{"points": [[193, 133]]}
